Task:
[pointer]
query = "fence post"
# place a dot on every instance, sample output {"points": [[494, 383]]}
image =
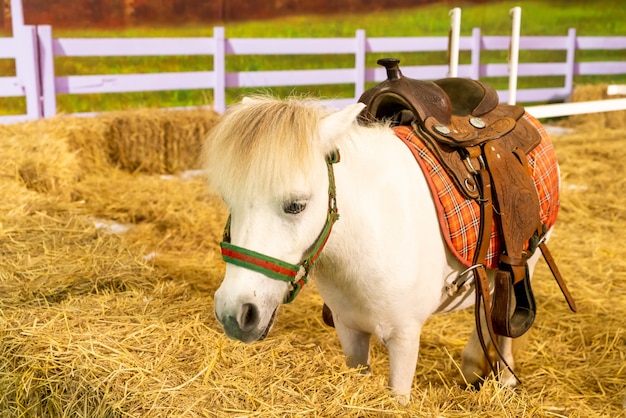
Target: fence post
{"points": [[570, 61], [359, 63], [46, 71], [476, 45], [17, 14], [516, 14], [453, 41], [27, 69], [219, 69]]}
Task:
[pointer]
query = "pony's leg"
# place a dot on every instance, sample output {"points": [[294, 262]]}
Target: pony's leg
{"points": [[509, 347], [474, 364], [475, 367], [403, 354], [355, 345]]}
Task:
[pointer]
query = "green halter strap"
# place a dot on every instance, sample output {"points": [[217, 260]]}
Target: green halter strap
{"points": [[296, 274]]}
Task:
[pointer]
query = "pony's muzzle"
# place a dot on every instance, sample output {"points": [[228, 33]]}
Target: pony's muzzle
{"points": [[244, 326]]}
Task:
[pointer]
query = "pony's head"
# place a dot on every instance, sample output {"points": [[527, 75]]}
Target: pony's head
{"points": [[268, 159]]}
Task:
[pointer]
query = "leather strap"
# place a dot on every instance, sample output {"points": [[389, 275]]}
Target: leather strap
{"points": [[483, 292], [486, 216], [557, 276], [480, 273]]}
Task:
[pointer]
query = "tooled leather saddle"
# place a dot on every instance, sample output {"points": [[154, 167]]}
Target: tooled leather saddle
{"points": [[482, 145]]}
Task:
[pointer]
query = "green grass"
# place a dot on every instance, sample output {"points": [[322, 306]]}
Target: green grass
{"points": [[547, 18]]}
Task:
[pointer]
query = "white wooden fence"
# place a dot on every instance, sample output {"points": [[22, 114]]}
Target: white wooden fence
{"points": [[34, 49]]}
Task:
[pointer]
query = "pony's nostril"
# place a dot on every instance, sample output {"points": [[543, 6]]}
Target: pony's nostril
{"points": [[249, 317]]}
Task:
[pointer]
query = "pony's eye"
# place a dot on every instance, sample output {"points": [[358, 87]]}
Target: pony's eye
{"points": [[294, 207]]}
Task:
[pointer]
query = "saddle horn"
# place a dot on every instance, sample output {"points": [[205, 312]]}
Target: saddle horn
{"points": [[393, 69]]}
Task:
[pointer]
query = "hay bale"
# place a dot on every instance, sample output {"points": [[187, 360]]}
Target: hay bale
{"points": [[152, 141], [34, 155], [596, 121], [98, 324], [52, 155]]}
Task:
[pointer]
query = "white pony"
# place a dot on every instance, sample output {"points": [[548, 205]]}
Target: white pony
{"points": [[384, 268]]}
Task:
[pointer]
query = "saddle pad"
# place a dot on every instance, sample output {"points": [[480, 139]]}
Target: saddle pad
{"points": [[459, 218]]}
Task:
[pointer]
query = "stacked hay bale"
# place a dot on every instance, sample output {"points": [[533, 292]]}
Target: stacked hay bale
{"points": [[110, 258], [596, 121]]}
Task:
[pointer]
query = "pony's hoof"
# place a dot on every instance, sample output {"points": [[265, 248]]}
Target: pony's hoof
{"points": [[365, 369], [402, 399], [508, 379], [474, 371], [476, 385], [473, 377]]}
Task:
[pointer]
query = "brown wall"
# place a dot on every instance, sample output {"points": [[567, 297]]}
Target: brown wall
{"points": [[116, 13]]}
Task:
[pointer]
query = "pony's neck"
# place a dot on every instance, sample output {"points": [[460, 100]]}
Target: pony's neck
{"points": [[379, 184], [388, 228]]}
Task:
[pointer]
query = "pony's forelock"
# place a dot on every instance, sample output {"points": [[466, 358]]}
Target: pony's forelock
{"points": [[259, 144]]}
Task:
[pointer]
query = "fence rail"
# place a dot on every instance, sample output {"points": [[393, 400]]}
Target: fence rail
{"points": [[34, 49]]}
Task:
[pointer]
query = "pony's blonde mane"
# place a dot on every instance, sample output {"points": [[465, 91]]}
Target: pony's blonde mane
{"points": [[258, 144]]}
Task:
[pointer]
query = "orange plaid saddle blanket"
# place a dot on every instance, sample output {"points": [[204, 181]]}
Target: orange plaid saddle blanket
{"points": [[459, 217]]}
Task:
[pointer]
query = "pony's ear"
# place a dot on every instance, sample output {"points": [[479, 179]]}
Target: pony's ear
{"points": [[336, 124]]}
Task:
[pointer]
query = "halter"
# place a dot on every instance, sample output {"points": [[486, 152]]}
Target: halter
{"points": [[296, 274]]}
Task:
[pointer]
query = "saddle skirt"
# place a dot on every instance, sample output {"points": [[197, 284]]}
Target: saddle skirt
{"points": [[459, 217]]}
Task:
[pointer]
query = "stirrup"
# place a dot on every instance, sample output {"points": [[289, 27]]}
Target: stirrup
{"points": [[512, 317]]}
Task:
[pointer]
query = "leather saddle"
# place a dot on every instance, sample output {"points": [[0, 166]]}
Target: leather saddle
{"points": [[451, 115], [482, 144]]}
